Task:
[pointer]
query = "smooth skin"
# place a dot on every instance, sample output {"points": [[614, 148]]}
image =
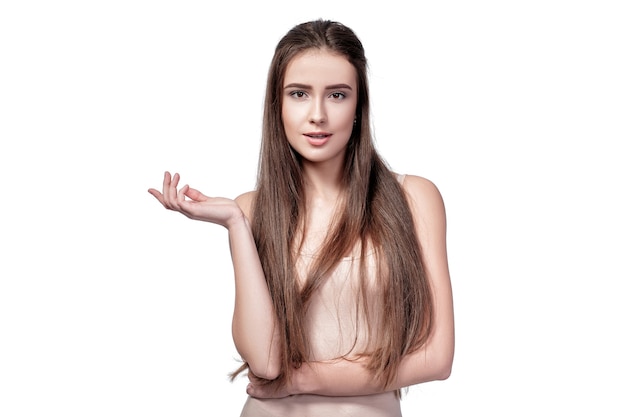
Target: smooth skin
{"points": [[318, 115], [431, 362], [253, 324]]}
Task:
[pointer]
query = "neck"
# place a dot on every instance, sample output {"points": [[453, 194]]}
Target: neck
{"points": [[322, 181]]}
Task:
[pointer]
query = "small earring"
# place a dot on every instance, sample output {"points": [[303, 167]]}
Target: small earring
{"points": [[355, 120]]}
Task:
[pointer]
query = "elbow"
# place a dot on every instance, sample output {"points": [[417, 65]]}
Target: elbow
{"points": [[262, 362], [444, 371], [438, 370], [261, 366], [443, 357], [268, 368], [437, 363], [266, 371], [443, 368]]}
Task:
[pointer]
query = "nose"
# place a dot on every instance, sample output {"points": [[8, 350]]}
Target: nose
{"points": [[317, 112]]}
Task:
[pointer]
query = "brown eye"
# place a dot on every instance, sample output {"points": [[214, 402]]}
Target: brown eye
{"points": [[297, 94]]}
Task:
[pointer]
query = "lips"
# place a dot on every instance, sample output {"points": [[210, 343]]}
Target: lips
{"points": [[317, 138]]}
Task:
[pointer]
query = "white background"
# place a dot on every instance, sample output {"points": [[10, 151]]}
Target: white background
{"points": [[112, 306]]}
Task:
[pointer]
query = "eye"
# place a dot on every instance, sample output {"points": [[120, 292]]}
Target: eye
{"points": [[338, 95], [297, 94]]}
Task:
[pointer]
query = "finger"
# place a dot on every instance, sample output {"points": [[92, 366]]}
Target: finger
{"points": [[157, 195], [180, 198], [167, 182], [185, 206], [175, 179], [167, 179], [171, 192], [195, 195]]}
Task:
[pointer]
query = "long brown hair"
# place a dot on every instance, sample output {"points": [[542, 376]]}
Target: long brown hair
{"points": [[374, 215]]}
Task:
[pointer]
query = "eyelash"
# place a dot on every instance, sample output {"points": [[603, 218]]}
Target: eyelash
{"points": [[297, 94], [300, 94]]}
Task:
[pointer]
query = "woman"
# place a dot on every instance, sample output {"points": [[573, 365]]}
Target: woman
{"points": [[343, 293]]}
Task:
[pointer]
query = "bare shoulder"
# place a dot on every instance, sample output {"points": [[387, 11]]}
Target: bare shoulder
{"points": [[424, 195], [421, 189], [245, 201]]}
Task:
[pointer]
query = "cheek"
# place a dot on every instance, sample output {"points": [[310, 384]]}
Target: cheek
{"points": [[290, 116], [346, 118]]}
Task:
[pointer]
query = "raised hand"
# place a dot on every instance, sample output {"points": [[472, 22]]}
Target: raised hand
{"points": [[195, 205]]}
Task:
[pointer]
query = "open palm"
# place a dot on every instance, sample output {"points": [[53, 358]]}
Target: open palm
{"points": [[195, 205]]}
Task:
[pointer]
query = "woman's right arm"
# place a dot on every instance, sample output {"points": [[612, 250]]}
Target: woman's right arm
{"points": [[254, 324]]}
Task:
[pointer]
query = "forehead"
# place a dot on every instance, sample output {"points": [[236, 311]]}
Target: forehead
{"points": [[316, 66]]}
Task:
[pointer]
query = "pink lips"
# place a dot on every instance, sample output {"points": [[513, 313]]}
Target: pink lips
{"points": [[317, 138]]}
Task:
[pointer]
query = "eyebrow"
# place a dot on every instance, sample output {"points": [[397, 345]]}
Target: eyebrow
{"points": [[328, 87]]}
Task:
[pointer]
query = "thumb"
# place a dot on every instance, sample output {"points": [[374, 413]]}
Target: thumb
{"points": [[195, 195]]}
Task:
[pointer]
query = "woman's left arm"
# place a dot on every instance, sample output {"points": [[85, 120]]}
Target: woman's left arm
{"points": [[431, 362]]}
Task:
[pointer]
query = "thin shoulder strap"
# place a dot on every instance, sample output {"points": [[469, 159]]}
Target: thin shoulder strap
{"points": [[400, 178]]}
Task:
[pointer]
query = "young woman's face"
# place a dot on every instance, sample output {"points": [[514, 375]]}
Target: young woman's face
{"points": [[319, 105]]}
